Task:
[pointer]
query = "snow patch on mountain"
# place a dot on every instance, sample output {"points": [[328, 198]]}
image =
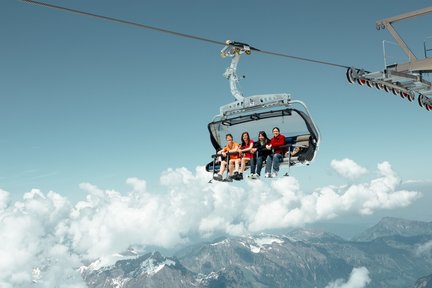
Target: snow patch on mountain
{"points": [[150, 266], [223, 242], [259, 243], [268, 241], [119, 282]]}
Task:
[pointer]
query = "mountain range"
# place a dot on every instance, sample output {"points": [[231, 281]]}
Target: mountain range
{"points": [[396, 253]]}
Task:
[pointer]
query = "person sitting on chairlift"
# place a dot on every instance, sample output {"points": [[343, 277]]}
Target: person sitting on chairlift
{"points": [[260, 153], [277, 145], [245, 153], [230, 151]]}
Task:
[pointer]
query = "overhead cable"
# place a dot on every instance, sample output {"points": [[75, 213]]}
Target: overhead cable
{"points": [[178, 34]]}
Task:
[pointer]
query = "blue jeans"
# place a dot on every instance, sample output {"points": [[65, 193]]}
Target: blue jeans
{"points": [[256, 164], [273, 160]]}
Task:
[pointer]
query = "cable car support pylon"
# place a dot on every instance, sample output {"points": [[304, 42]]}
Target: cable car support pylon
{"points": [[404, 79]]}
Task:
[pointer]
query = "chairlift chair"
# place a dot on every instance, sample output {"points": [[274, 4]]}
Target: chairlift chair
{"points": [[262, 113]]}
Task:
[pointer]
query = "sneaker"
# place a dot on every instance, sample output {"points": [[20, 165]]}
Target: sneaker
{"points": [[234, 176], [274, 174], [251, 176], [255, 176], [237, 176], [217, 177], [268, 175]]}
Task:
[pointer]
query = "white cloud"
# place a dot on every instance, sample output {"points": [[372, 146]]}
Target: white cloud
{"points": [[4, 199], [30, 245], [425, 249], [348, 168], [359, 278], [45, 238], [417, 182], [294, 208]]}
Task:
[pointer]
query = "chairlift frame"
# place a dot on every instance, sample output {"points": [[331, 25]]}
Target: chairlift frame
{"points": [[404, 79], [253, 110]]}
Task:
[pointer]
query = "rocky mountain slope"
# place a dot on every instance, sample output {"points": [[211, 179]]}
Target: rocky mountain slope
{"points": [[390, 251]]}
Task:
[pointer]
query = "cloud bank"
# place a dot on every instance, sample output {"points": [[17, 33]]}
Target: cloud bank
{"points": [[45, 239]]}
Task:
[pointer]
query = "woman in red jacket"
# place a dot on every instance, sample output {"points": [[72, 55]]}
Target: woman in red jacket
{"points": [[277, 146]]}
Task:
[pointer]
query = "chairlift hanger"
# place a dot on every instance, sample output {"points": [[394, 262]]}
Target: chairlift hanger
{"points": [[261, 113]]}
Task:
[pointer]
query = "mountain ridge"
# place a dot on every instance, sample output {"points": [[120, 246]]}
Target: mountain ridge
{"points": [[390, 226], [301, 258]]}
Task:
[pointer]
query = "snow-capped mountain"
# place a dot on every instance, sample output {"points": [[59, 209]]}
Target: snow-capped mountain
{"points": [[301, 258], [149, 270]]}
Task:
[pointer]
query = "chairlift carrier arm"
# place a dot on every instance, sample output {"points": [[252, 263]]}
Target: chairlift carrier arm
{"points": [[231, 75]]}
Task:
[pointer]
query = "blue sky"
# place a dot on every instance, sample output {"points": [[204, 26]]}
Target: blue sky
{"points": [[102, 123], [85, 100], [89, 100]]}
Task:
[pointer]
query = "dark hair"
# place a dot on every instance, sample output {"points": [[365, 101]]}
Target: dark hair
{"points": [[229, 134], [277, 128], [243, 142], [264, 134]]}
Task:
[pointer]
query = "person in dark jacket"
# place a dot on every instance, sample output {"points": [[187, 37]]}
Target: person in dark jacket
{"points": [[260, 153]]}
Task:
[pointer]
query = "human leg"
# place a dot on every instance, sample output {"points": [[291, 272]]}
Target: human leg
{"points": [[253, 164], [231, 166], [222, 168], [244, 161], [236, 165], [259, 164], [269, 163], [277, 159]]}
